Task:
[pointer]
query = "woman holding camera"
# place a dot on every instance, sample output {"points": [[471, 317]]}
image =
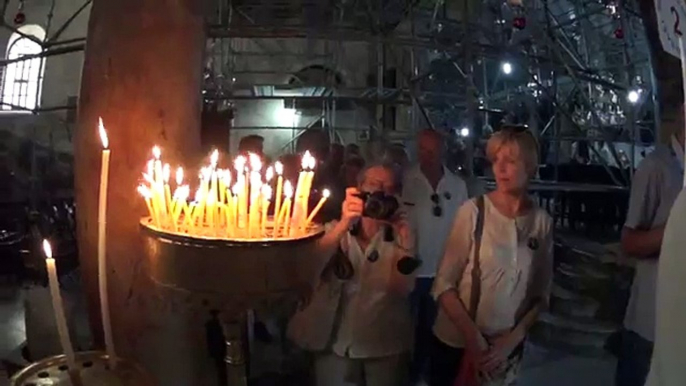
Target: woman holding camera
{"points": [[357, 319], [495, 276]]}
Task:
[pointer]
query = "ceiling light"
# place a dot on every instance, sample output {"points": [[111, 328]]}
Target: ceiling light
{"points": [[506, 67], [633, 96]]}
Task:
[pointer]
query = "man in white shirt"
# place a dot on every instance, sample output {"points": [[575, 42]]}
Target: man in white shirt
{"points": [[667, 367], [654, 189], [433, 194]]}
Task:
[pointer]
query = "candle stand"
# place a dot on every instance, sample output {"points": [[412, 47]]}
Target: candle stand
{"points": [[229, 275], [93, 369]]}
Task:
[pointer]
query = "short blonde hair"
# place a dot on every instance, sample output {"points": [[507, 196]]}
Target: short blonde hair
{"points": [[523, 139]]}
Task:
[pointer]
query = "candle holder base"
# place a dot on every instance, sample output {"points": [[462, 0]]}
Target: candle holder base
{"points": [[93, 369]]}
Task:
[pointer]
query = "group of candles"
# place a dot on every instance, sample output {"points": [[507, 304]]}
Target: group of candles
{"points": [[231, 203], [57, 304], [219, 210]]}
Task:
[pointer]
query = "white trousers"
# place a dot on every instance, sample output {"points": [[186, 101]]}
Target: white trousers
{"points": [[334, 370]]}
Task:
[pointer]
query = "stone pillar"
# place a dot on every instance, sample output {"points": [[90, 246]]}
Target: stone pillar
{"points": [[142, 74]]}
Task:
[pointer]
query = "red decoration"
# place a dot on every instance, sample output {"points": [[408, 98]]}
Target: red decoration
{"points": [[519, 22], [619, 33], [19, 18]]}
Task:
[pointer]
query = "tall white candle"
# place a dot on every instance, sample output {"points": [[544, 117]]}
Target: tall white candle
{"points": [[278, 166], [60, 319], [102, 264]]}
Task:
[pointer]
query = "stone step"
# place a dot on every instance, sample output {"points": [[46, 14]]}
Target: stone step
{"points": [[587, 337], [567, 303]]}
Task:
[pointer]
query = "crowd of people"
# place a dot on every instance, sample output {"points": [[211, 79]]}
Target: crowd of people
{"points": [[437, 287], [442, 287]]}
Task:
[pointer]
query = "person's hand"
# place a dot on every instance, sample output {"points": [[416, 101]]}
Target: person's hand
{"points": [[476, 347], [352, 206], [401, 226], [496, 356]]}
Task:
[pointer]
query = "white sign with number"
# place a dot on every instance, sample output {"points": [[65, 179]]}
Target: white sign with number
{"points": [[671, 14]]}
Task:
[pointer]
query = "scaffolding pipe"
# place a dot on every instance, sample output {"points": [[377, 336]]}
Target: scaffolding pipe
{"points": [[45, 54]]}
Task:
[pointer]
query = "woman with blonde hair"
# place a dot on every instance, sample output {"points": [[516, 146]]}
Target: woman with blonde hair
{"points": [[495, 275]]}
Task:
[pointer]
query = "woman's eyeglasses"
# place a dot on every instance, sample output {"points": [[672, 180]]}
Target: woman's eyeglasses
{"points": [[437, 210]]}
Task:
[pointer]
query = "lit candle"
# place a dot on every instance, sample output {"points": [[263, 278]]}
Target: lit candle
{"points": [[204, 191], [325, 194], [157, 188], [224, 182], [255, 189], [288, 192], [145, 192], [254, 213], [166, 174], [298, 215], [196, 208], [60, 319], [180, 196], [214, 158], [266, 198], [237, 189], [309, 177], [211, 211], [239, 164], [278, 166], [102, 267]]}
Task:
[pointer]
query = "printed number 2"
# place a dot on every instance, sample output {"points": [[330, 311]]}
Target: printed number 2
{"points": [[673, 10]]}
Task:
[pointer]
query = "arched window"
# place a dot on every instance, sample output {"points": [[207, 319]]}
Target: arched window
{"points": [[22, 80]]}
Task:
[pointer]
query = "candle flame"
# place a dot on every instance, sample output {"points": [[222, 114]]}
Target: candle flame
{"points": [[288, 189], [270, 174], [214, 158], [179, 175], [305, 162], [205, 174], [279, 168], [151, 167], [182, 192], [326, 193], [267, 192], [226, 176], [255, 162], [156, 152], [144, 191], [166, 173], [239, 163], [47, 249], [148, 177], [103, 134], [312, 163], [198, 195], [237, 189]]}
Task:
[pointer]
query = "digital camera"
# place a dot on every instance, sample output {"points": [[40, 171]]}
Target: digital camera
{"points": [[378, 205]]}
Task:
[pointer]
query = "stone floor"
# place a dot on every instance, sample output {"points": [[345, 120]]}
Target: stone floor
{"points": [[542, 366]]}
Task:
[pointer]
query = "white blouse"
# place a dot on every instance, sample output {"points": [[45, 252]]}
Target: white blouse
{"points": [[516, 267]]}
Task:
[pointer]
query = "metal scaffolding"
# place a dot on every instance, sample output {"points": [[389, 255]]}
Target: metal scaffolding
{"points": [[573, 64]]}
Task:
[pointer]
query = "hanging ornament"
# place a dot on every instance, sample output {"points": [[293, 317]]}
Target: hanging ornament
{"points": [[619, 33], [20, 16], [519, 22]]}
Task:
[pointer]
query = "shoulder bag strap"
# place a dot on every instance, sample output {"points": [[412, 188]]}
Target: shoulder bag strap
{"points": [[476, 265]]}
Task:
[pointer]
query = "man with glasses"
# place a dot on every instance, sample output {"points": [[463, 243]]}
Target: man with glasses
{"points": [[433, 194]]}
